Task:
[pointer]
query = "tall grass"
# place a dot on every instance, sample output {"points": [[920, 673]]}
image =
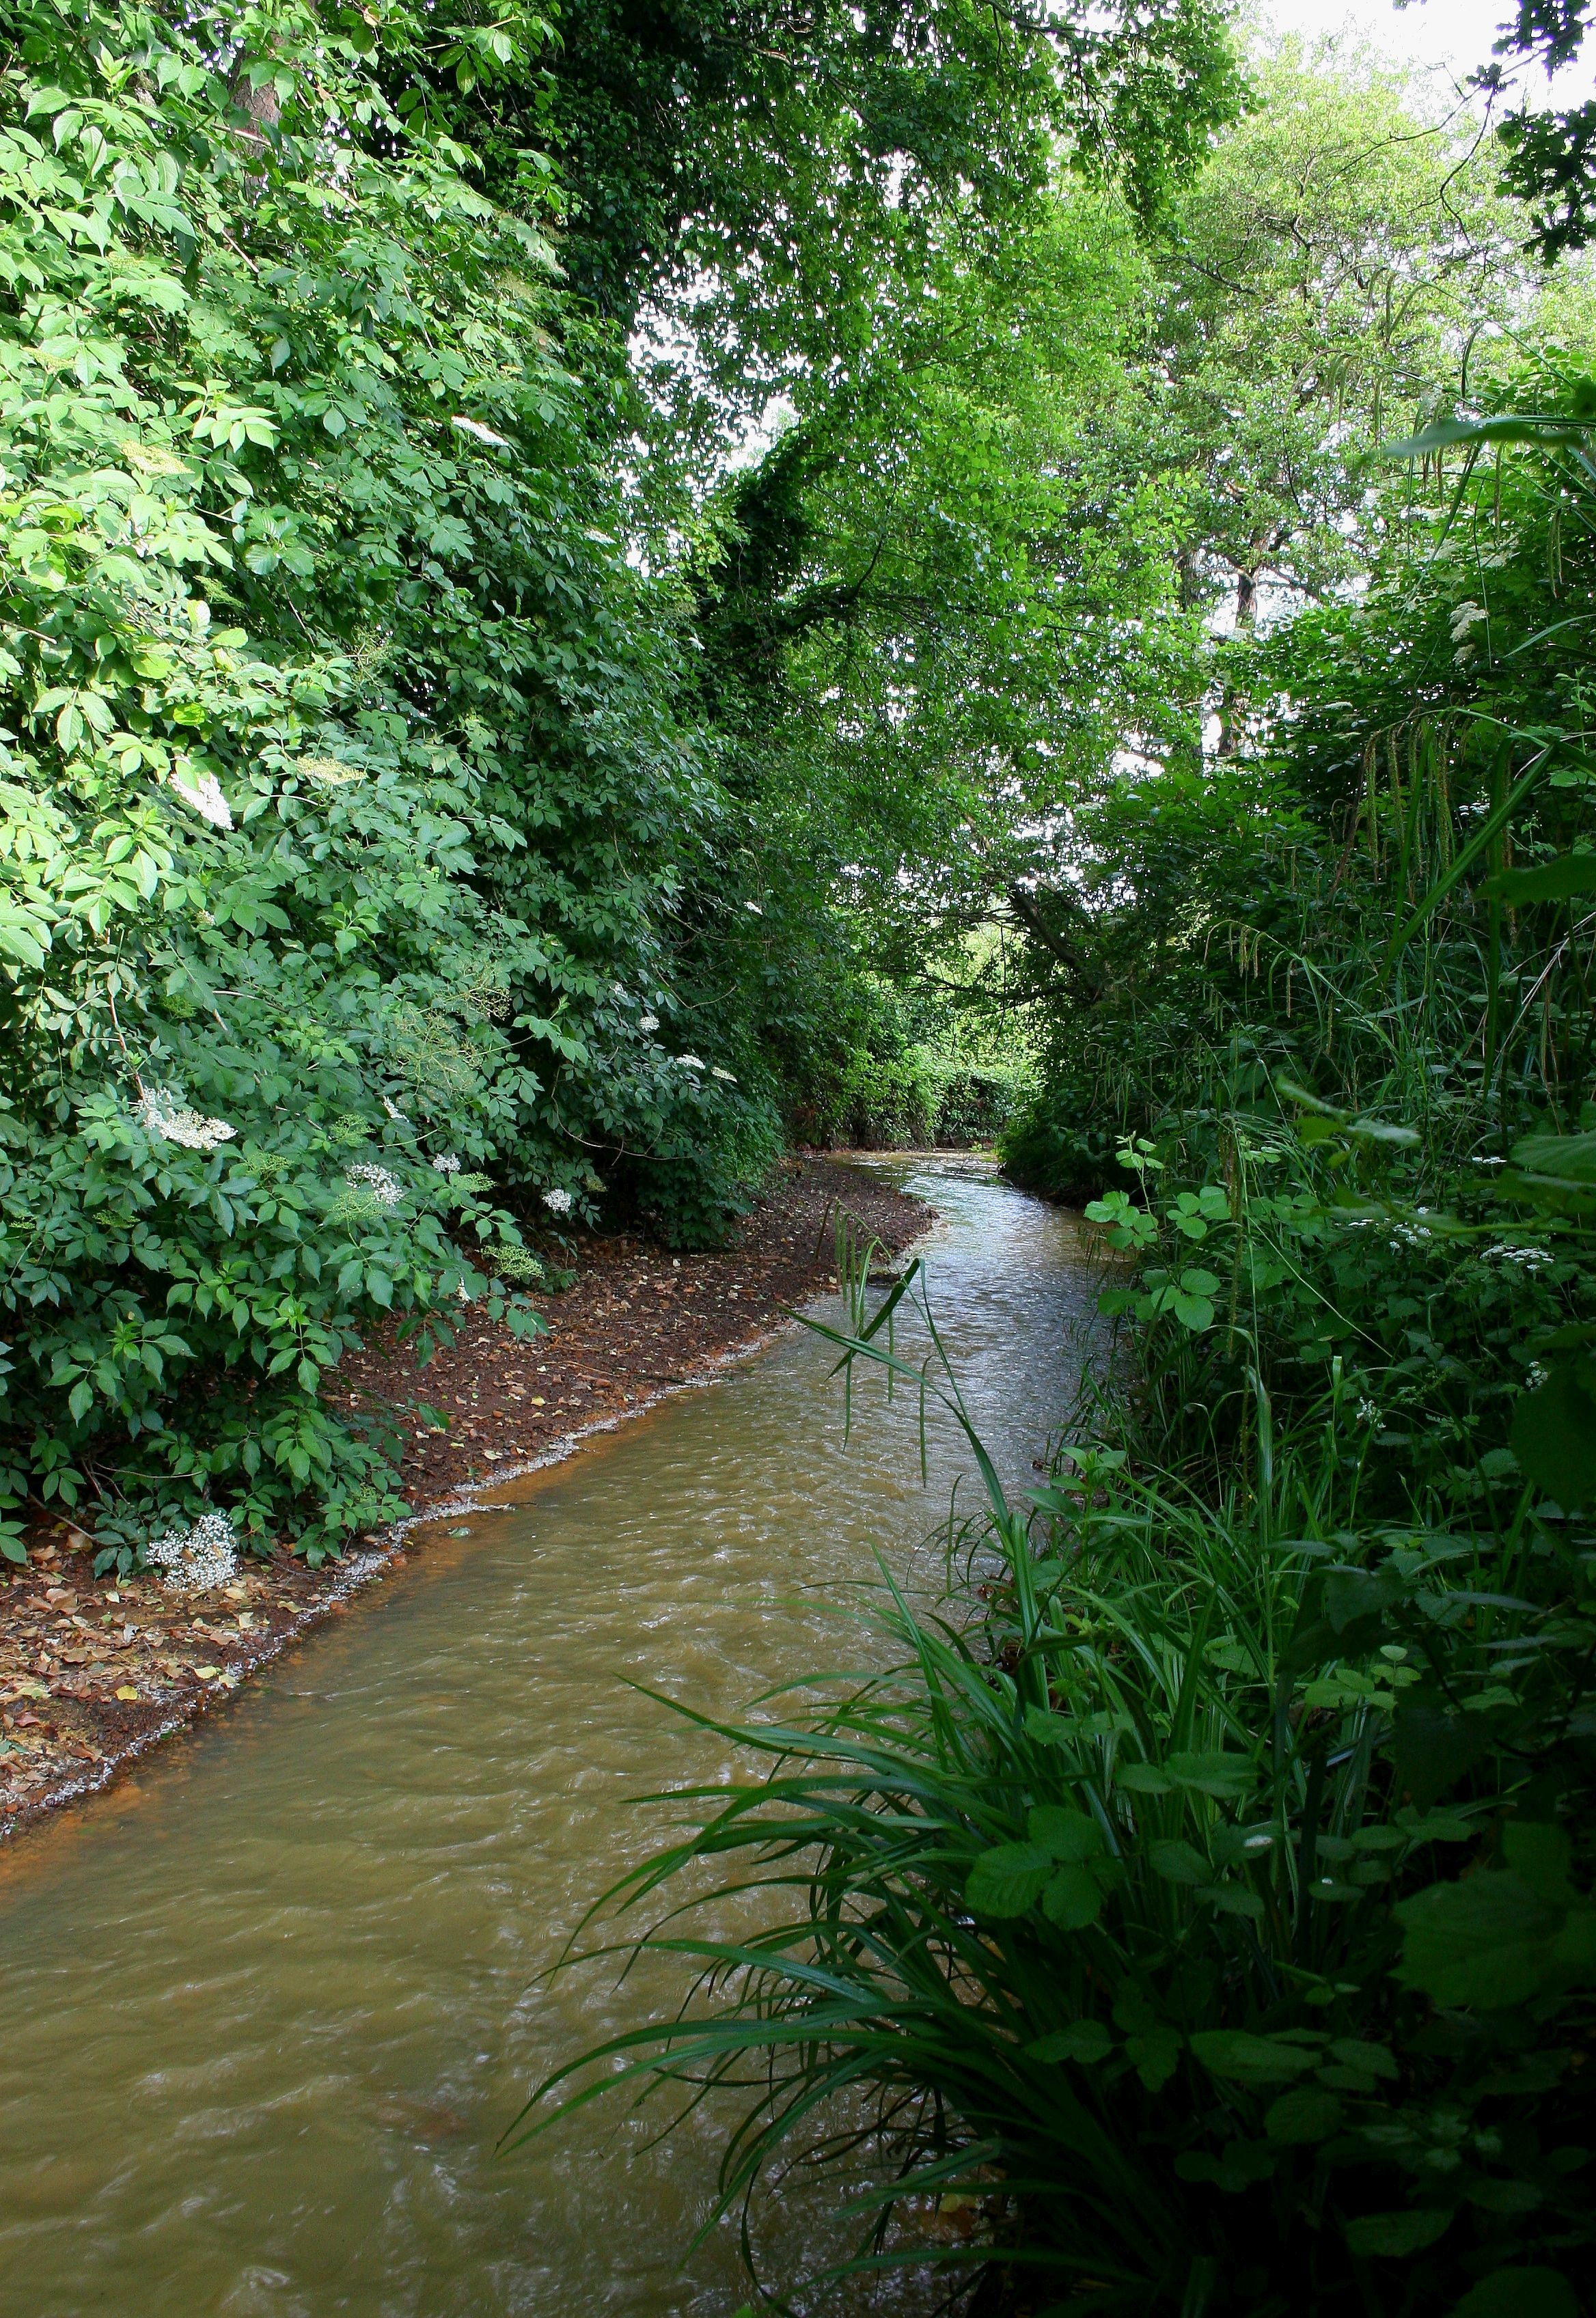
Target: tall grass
{"points": [[1095, 1897]]}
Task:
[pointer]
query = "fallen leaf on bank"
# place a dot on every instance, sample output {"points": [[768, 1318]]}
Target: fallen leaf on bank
{"points": [[207, 1673], [128, 1691]]}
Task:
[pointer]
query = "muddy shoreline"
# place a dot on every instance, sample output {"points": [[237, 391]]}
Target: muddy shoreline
{"points": [[94, 1675]]}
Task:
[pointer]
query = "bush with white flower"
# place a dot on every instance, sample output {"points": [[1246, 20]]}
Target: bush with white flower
{"points": [[162, 1113], [196, 1561]]}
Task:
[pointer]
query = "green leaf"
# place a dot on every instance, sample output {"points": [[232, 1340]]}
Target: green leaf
{"points": [[1569, 1158], [1249, 2059], [1553, 1436], [1155, 2055], [1372, 2059], [1142, 1779], [1008, 1879], [1065, 1833], [1307, 2113], [1072, 1899], [1516, 2293], [1548, 881], [1178, 1863], [1487, 1941], [1086, 2041], [1396, 2235], [1222, 1776], [1541, 1856]]}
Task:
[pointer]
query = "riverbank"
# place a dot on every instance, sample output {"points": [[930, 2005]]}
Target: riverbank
{"points": [[94, 1675]]}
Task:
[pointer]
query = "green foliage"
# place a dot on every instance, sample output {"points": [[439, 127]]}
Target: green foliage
{"points": [[343, 791], [1137, 1880], [1207, 1893]]}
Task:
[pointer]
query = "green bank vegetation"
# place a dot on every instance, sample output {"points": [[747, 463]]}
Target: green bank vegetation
{"points": [[1204, 1901], [584, 595]]}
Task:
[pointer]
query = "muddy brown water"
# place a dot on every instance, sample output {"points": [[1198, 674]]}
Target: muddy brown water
{"points": [[267, 2008]]}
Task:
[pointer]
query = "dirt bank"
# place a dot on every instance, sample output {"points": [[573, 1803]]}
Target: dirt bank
{"points": [[91, 1674]]}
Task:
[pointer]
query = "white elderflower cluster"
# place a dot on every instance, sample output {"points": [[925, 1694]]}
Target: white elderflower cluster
{"points": [[717, 1073], [474, 426], [446, 1163], [394, 1111], [202, 791], [558, 1202], [196, 1561], [691, 1062], [161, 1113], [647, 1021], [384, 1187]]}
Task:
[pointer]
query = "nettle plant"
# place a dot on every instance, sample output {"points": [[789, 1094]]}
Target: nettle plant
{"points": [[339, 787]]}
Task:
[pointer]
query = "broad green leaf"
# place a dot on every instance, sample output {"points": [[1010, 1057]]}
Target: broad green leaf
{"points": [[1518, 2292], [1086, 2041], [1065, 1833], [1560, 880], [1072, 1899], [1009, 1879], [1251, 2059], [1553, 1435], [1396, 2235], [1178, 1863], [1307, 2113]]}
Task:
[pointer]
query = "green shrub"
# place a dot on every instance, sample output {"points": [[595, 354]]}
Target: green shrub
{"points": [[341, 796], [1130, 1899]]}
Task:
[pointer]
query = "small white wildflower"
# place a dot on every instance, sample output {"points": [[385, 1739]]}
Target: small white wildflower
{"points": [[754, 908], [647, 1021], [160, 1113], [1529, 1259], [446, 1163], [202, 791], [483, 434], [1534, 1376], [691, 1062], [1409, 1235], [194, 1560], [717, 1073], [1369, 1412], [394, 1113], [1479, 1160], [558, 1201], [384, 1187]]}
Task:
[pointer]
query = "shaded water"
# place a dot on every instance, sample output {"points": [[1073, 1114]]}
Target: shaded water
{"points": [[266, 2010]]}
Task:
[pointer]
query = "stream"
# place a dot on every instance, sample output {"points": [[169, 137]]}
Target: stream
{"points": [[269, 2003]]}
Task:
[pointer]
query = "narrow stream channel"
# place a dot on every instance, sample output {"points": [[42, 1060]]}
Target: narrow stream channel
{"points": [[267, 2008]]}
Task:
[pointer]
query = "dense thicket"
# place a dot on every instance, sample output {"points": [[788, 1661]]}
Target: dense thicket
{"points": [[419, 823]]}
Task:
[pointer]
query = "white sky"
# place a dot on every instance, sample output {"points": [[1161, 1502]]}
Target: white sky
{"points": [[1454, 35]]}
